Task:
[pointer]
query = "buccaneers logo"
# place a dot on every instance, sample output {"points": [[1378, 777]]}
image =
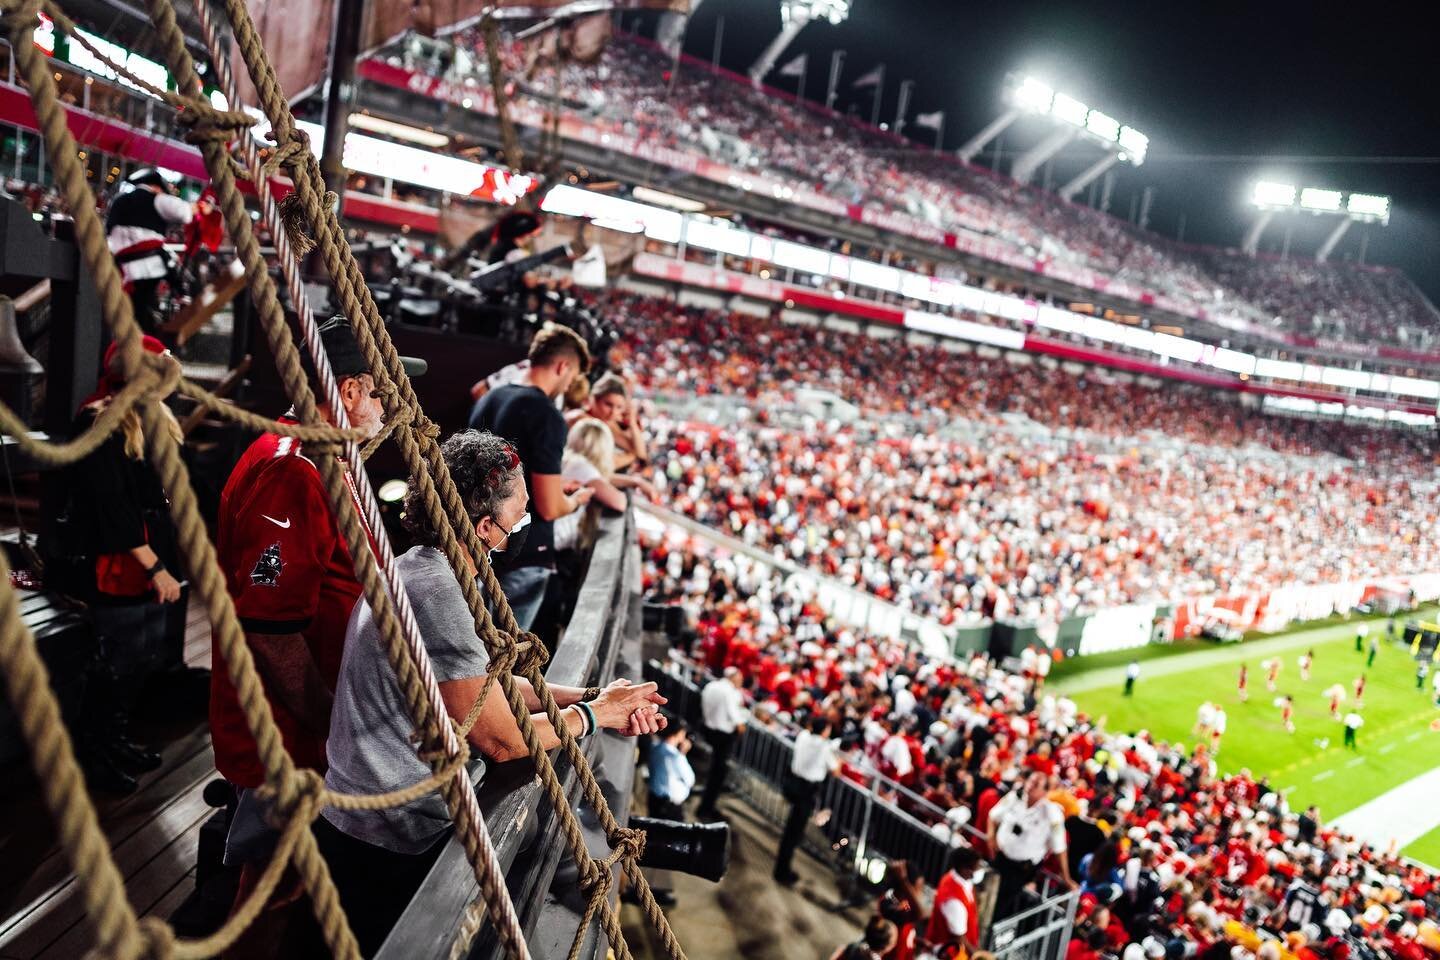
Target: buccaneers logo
{"points": [[267, 568]]}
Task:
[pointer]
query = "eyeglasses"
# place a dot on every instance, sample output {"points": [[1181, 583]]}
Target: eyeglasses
{"points": [[520, 524]]}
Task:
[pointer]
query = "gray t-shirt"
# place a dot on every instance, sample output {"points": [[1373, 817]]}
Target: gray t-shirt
{"points": [[370, 749]]}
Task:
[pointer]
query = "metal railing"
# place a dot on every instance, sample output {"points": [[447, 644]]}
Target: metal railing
{"points": [[1040, 932], [878, 819]]}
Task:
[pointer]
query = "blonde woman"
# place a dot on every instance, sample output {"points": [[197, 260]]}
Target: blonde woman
{"points": [[589, 461], [120, 507]]}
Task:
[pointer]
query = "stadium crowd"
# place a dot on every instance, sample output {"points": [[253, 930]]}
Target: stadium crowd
{"points": [[639, 90], [1171, 859], [1064, 492]]}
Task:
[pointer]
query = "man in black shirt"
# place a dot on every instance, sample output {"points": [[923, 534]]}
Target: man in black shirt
{"points": [[525, 414]]}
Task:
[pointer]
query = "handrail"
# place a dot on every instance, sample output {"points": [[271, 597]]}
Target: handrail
{"points": [[510, 797]]}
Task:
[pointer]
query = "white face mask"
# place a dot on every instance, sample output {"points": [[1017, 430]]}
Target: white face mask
{"points": [[514, 539]]}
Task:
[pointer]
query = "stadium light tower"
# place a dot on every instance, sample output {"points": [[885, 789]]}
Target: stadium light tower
{"points": [[794, 16], [1073, 120], [1272, 198]]}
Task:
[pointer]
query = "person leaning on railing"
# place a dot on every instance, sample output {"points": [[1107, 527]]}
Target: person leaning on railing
{"points": [[380, 857]]}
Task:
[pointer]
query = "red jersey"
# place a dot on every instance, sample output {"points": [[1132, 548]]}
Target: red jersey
{"points": [[288, 570], [952, 887]]}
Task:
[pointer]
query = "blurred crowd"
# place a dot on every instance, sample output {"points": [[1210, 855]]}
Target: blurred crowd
{"points": [[639, 90], [1171, 859], [969, 486]]}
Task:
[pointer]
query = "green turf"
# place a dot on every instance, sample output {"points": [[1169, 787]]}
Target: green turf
{"points": [[1426, 849], [1396, 714]]}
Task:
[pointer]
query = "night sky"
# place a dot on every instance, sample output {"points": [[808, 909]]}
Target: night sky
{"points": [[1257, 79]]}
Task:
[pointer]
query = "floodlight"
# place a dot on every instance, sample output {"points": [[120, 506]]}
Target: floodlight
{"points": [[803, 11], [1034, 95], [1268, 194], [1069, 109], [1313, 198], [1135, 143], [1368, 205], [1107, 128]]}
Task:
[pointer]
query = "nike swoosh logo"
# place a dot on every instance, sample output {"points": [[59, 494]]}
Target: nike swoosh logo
{"points": [[282, 526]]}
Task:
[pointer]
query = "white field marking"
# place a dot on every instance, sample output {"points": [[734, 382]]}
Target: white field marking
{"points": [[1388, 748], [1323, 775], [1404, 814], [1355, 763]]}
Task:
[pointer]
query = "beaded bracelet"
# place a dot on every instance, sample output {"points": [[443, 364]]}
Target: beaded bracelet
{"points": [[588, 722], [590, 694]]}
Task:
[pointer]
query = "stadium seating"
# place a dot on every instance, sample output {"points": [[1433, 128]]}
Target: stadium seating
{"points": [[982, 487], [634, 88]]}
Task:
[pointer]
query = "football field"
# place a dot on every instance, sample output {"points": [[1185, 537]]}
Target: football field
{"points": [[1395, 746]]}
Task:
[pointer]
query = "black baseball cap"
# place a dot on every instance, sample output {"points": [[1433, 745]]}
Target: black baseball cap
{"points": [[343, 349]]}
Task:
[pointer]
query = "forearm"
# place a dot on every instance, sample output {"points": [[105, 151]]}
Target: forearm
{"points": [[564, 696], [144, 556], [507, 743]]}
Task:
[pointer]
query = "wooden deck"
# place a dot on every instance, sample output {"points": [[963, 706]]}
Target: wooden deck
{"points": [[153, 835]]}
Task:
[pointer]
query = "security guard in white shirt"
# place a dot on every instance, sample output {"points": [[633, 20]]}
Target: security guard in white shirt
{"points": [[814, 757], [1025, 828], [722, 709]]}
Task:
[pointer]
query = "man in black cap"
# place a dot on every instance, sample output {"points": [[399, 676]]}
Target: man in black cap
{"points": [[135, 226], [290, 573]]}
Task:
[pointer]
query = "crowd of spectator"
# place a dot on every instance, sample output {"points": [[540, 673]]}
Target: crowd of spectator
{"points": [[1171, 859], [969, 486], [636, 88]]}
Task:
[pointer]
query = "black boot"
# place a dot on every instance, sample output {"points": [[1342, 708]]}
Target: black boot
{"points": [[132, 755], [104, 775]]}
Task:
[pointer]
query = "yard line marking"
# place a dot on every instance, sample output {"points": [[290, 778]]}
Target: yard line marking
{"points": [[1355, 763], [1388, 747], [1323, 775], [1413, 737]]}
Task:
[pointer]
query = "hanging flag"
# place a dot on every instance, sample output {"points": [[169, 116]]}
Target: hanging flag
{"points": [[930, 121], [795, 68], [872, 79]]}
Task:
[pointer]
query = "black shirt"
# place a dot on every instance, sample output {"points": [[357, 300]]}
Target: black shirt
{"points": [[526, 417]]}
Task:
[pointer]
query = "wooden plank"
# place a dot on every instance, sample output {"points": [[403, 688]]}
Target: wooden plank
{"points": [[190, 766], [160, 876], [152, 861]]}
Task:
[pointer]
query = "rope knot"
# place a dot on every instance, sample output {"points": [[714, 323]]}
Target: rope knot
{"points": [[627, 842], [300, 790], [208, 124], [424, 426], [531, 654]]}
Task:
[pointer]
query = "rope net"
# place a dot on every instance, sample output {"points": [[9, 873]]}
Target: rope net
{"points": [[305, 218]]}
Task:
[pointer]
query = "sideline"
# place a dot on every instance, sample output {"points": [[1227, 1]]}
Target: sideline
{"points": [[1220, 654], [1402, 815]]}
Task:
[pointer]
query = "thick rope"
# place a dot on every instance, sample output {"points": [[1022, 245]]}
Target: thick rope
{"points": [[439, 496], [293, 790]]}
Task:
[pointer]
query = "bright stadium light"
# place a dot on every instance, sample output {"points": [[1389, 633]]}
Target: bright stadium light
{"points": [[1270, 194], [834, 11], [1325, 201], [1368, 205], [1134, 143], [1069, 109], [1104, 127], [1034, 95]]}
